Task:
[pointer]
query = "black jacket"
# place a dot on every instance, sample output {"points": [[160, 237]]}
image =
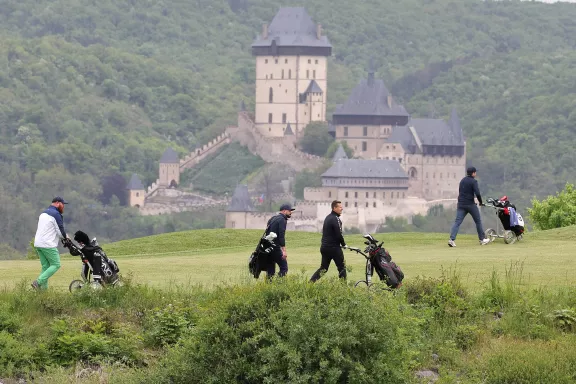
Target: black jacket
{"points": [[468, 188], [332, 231], [277, 224]]}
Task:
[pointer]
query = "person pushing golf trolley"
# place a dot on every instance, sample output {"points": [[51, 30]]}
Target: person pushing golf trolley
{"points": [[378, 259]]}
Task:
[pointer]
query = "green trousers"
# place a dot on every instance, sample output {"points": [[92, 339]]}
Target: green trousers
{"points": [[50, 261]]}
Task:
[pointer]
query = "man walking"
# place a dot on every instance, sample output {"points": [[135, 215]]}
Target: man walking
{"points": [[466, 205], [50, 230], [332, 243], [277, 224]]}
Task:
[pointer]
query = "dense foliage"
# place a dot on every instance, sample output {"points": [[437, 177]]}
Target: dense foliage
{"points": [[93, 91], [555, 211], [316, 140]]}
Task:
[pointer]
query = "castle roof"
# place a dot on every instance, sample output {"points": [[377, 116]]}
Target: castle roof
{"points": [[370, 98], [313, 87], [339, 154], [437, 132], [169, 157], [378, 169], [292, 27], [241, 201], [288, 131], [135, 184]]}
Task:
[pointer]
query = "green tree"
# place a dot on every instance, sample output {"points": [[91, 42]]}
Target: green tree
{"points": [[316, 139], [555, 211], [334, 147]]}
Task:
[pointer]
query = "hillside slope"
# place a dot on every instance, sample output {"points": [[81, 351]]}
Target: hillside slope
{"points": [[92, 91]]}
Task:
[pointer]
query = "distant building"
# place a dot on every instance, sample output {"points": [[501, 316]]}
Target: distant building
{"points": [[291, 73], [169, 169], [136, 192]]}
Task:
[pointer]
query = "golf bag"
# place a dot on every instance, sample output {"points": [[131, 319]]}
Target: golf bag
{"points": [[386, 269], [511, 219], [91, 253], [260, 259]]}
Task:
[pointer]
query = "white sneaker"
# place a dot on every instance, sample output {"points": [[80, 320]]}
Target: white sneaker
{"points": [[451, 243], [484, 242]]}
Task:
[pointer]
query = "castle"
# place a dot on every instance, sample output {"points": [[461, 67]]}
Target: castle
{"points": [[401, 165]]}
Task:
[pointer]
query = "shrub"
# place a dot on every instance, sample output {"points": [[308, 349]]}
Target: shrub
{"points": [[17, 357], [555, 211], [166, 326], [298, 333]]}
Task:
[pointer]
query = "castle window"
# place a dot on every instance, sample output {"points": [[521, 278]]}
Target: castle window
{"points": [[366, 194], [346, 194], [346, 204], [307, 74], [285, 61], [316, 61], [271, 75], [374, 194], [314, 74], [137, 194], [266, 61], [329, 194], [309, 61], [270, 118], [271, 95], [365, 131], [374, 204], [383, 195], [364, 146], [345, 131], [233, 224], [355, 204], [284, 118], [434, 175], [276, 61], [289, 73], [356, 194], [282, 73], [366, 204], [454, 175]]}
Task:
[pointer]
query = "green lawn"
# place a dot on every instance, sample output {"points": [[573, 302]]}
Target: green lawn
{"points": [[210, 257]]}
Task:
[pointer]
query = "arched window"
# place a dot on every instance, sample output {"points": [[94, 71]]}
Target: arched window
{"points": [[271, 96]]}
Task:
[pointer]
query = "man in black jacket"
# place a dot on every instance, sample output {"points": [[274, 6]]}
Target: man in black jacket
{"points": [[277, 224], [466, 205], [332, 243]]}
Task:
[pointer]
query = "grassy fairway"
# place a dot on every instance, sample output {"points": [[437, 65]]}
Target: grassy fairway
{"points": [[210, 257]]}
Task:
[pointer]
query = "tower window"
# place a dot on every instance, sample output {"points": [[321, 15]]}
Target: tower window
{"points": [[285, 61], [366, 194], [314, 74], [307, 74], [316, 61], [366, 204], [284, 118], [269, 117], [265, 61], [345, 131], [276, 61], [271, 95], [289, 73], [346, 194], [282, 73], [309, 61], [365, 131], [364, 146], [356, 194], [374, 204]]}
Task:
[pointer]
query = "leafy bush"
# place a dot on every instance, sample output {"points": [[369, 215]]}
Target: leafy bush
{"points": [[296, 332], [316, 139], [165, 326], [18, 357], [555, 211], [334, 147]]}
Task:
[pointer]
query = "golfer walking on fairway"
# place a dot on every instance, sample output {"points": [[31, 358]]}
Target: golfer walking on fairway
{"points": [[50, 231]]}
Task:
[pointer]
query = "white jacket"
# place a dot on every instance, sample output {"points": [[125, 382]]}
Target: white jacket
{"points": [[50, 229]]}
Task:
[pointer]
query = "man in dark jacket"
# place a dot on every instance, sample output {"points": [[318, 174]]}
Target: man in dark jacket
{"points": [[332, 243], [466, 205], [277, 224]]}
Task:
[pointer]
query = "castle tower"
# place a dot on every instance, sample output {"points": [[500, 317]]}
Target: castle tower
{"points": [[291, 73], [366, 119], [169, 172], [136, 192], [239, 209]]}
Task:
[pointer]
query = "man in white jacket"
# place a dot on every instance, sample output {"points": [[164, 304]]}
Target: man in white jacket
{"points": [[50, 231]]}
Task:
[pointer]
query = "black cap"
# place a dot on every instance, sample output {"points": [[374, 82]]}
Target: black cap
{"points": [[471, 170], [59, 199], [287, 207]]}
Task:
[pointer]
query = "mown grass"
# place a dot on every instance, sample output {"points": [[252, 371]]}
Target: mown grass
{"points": [[210, 257]]}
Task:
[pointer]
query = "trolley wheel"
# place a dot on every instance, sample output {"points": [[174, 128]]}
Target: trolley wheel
{"points": [[75, 285], [361, 283], [491, 234], [509, 237], [95, 285]]}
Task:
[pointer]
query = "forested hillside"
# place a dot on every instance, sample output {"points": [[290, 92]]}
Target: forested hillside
{"points": [[94, 90]]}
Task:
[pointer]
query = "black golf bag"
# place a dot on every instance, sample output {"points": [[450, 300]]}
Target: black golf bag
{"points": [[90, 253], [504, 215], [261, 258], [386, 269]]}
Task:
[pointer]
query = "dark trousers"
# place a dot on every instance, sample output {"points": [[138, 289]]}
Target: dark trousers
{"points": [[276, 258], [461, 213], [329, 254]]}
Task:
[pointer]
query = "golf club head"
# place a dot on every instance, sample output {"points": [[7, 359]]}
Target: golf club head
{"points": [[271, 236], [369, 238]]}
